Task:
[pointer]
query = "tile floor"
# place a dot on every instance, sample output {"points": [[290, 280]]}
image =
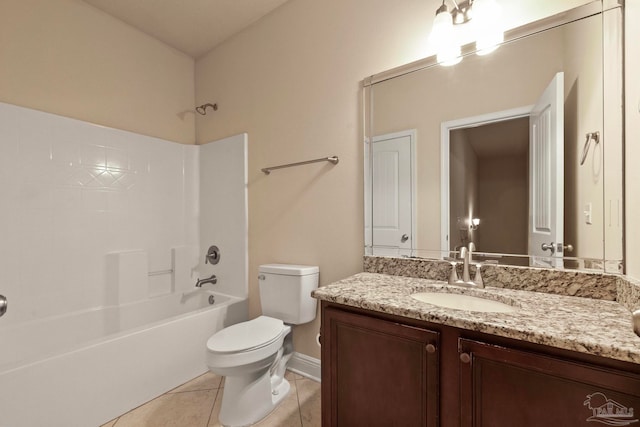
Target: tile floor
{"points": [[197, 404]]}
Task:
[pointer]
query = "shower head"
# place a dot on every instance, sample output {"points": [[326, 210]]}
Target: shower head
{"points": [[202, 109]]}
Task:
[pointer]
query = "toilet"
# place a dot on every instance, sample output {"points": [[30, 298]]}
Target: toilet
{"points": [[252, 355]]}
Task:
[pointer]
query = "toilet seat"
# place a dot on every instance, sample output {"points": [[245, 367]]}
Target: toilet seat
{"points": [[246, 343], [246, 336]]}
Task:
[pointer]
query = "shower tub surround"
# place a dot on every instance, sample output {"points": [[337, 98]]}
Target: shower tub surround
{"points": [[76, 192], [102, 236]]}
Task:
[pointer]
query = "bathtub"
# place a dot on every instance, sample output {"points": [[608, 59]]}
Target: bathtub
{"points": [[86, 368]]}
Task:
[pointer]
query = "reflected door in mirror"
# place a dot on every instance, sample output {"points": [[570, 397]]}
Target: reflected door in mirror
{"points": [[546, 193], [392, 182]]}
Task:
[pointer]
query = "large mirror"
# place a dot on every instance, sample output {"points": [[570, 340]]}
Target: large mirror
{"points": [[519, 151]]}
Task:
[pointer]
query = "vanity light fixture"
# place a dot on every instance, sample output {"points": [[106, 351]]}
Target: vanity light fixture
{"points": [[488, 26], [484, 18]]}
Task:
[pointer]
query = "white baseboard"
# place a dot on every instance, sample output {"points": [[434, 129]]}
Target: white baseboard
{"points": [[305, 365]]}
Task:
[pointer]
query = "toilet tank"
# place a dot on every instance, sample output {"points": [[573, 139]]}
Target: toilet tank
{"points": [[285, 292]]}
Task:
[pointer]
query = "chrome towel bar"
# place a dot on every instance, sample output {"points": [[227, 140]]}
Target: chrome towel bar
{"points": [[332, 159]]}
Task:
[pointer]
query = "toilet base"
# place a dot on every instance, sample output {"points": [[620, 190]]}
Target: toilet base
{"points": [[248, 399], [252, 391]]}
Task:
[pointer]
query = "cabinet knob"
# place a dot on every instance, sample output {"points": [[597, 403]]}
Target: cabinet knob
{"points": [[431, 348], [465, 357]]}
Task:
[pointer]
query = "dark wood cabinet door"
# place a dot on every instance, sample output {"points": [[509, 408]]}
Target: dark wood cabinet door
{"points": [[377, 373], [506, 387]]}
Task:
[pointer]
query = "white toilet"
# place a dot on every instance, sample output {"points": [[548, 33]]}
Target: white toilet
{"points": [[253, 355]]}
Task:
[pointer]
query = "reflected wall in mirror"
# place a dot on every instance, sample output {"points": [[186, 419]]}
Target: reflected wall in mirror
{"points": [[466, 153], [489, 163]]}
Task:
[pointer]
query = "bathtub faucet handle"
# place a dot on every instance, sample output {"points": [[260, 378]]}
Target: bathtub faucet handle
{"points": [[212, 280], [213, 255]]}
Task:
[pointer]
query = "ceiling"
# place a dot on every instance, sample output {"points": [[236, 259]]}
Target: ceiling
{"points": [[504, 138], [191, 26]]}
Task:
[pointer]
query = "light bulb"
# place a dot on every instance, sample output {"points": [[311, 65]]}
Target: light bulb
{"points": [[488, 26], [443, 39], [442, 28]]}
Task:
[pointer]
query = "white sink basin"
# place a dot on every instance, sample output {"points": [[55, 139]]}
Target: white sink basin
{"points": [[463, 302]]}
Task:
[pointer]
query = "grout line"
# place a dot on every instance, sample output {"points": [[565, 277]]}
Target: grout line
{"points": [[139, 406], [213, 407], [298, 399], [190, 391]]}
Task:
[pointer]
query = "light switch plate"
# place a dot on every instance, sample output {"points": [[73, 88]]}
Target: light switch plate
{"points": [[588, 211]]}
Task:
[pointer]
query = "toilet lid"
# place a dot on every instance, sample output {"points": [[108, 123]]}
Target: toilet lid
{"points": [[244, 336]]}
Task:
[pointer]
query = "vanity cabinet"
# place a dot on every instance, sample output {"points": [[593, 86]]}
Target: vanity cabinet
{"points": [[501, 386], [377, 373], [384, 370]]}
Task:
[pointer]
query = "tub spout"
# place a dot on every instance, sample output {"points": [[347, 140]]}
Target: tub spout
{"points": [[213, 280]]}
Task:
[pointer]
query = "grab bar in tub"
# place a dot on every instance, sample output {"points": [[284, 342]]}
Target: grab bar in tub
{"points": [[160, 272]]}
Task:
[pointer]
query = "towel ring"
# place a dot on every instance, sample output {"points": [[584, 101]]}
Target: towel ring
{"points": [[585, 150]]}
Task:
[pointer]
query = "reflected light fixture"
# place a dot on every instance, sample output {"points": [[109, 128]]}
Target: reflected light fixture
{"points": [[474, 223], [470, 223], [484, 16]]}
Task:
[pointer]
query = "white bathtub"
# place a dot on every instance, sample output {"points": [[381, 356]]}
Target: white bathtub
{"points": [[86, 368]]}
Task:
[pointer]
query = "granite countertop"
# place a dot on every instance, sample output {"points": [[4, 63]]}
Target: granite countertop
{"points": [[585, 325]]}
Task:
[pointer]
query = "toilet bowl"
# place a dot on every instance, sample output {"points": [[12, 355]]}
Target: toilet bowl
{"points": [[248, 355], [252, 355]]}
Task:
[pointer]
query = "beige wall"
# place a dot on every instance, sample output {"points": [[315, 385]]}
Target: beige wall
{"points": [[463, 190], [632, 138], [292, 81], [503, 190], [68, 58], [583, 113]]}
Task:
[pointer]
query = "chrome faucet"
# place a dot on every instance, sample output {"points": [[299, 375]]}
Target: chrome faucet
{"points": [[466, 256], [213, 280]]}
